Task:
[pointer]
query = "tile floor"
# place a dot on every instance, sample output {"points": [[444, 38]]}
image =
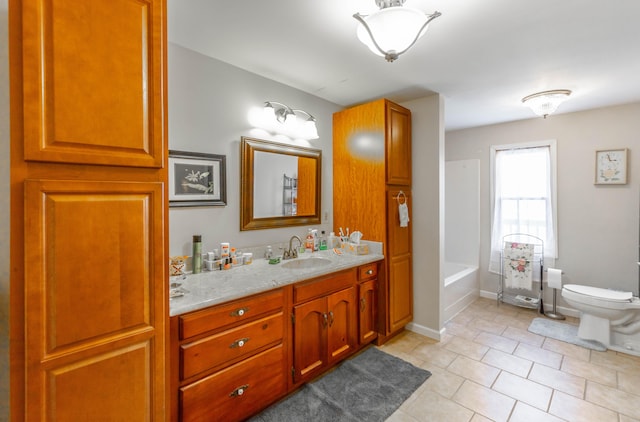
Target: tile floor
{"points": [[488, 367]]}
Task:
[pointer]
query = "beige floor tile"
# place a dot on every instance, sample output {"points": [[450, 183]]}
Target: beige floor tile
{"points": [[467, 348], [461, 330], [487, 326], [435, 355], [513, 322], [629, 382], [558, 380], [477, 417], [496, 342], [614, 399], [590, 371], [523, 390], [618, 361], [567, 349], [401, 416], [573, 409], [525, 413], [488, 403], [539, 355], [431, 406], [624, 418], [463, 318], [442, 381], [473, 370], [523, 336], [508, 362]]}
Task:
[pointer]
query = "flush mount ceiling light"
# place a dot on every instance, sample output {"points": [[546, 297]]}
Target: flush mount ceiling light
{"points": [[393, 29], [546, 102], [281, 119]]}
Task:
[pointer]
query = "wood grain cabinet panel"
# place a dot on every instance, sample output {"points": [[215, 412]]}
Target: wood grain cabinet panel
{"points": [[93, 86], [96, 301]]}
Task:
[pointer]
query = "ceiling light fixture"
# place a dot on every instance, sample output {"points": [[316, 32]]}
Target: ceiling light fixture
{"points": [[546, 102], [393, 29], [281, 119]]}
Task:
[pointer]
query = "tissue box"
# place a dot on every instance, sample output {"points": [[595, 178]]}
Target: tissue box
{"points": [[361, 249]]}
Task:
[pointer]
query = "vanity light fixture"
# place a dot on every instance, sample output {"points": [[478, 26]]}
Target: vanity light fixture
{"points": [[393, 29], [546, 102], [282, 119]]}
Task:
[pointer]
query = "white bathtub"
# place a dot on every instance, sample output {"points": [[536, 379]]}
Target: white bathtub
{"points": [[461, 287]]}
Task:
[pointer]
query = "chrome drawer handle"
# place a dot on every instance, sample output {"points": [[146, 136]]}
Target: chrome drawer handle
{"points": [[239, 343], [239, 312], [239, 391]]}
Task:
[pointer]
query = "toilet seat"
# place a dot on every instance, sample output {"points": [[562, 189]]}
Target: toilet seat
{"points": [[600, 293]]}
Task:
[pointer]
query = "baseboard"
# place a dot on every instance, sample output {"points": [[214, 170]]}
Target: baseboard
{"points": [[547, 306], [425, 331]]}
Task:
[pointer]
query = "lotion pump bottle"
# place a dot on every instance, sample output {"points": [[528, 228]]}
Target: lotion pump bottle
{"points": [[196, 259]]}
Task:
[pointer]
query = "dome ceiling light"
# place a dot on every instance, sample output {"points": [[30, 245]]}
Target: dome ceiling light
{"points": [[546, 102]]}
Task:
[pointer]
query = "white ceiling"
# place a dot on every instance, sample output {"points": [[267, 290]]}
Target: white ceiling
{"points": [[483, 56]]}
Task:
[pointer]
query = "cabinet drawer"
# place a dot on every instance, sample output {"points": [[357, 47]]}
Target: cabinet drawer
{"points": [[321, 286], [238, 391], [230, 344], [368, 271], [229, 313]]}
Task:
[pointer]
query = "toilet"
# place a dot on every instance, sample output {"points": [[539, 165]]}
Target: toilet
{"points": [[609, 316]]}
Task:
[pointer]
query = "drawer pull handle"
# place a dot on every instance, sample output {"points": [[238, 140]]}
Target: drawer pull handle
{"points": [[239, 391], [239, 343], [369, 272], [325, 319], [331, 318], [239, 312]]}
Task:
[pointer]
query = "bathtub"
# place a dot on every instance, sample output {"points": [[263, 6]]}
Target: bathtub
{"points": [[461, 287]]}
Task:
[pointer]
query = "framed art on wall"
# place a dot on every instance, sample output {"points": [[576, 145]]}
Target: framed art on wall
{"points": [[611, 167], [197, 179]]}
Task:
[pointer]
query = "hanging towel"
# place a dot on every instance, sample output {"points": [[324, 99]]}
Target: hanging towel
{"points": [[403, 211], [517, 266]]}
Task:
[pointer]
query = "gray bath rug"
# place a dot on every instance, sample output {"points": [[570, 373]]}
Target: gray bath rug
{"points": [[563, 332], [368, 387]]}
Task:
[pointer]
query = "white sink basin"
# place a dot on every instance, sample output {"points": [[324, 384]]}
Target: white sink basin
{"points": [[307, 263]]}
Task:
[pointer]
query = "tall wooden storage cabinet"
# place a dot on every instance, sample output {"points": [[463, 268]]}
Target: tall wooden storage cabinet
{"points": [[371, 177], [89, 306]]}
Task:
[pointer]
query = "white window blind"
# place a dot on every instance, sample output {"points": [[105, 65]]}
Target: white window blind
{"points": [[523, 197]]}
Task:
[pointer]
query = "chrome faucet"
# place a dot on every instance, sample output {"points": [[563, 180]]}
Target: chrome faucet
{"points": [[292, 253]]}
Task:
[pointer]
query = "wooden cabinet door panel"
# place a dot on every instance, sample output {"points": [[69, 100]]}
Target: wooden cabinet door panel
{"points": [[92, 89], [342, 329], [399, 238], [400, 292], [309, 338], [368, 304], [398, 134], [94, 295]]}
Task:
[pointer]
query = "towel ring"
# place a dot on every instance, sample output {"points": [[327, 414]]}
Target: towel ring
{"points": [[403, 197]]}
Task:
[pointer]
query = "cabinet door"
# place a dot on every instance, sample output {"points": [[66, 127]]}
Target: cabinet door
{"points": [[93, 82], [400, 274], [310, 338], [367, 327], [342, 330], [398, 144]]}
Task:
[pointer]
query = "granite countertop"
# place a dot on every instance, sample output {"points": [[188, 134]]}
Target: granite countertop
{"points": [[214, 287]]}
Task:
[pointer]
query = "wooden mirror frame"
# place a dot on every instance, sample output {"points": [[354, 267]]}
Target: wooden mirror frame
{"points": [[248, 146]]}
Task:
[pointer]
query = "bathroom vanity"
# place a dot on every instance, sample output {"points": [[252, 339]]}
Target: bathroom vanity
{"points": [[244, 338]]}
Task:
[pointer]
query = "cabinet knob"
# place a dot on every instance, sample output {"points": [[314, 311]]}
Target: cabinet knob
{"points": [[239, 343], [369, 272], [239, 312], [239, 391]]}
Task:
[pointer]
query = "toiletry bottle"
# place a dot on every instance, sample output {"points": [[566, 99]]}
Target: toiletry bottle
{"points": [[323, 241], [196, 259], [308, 244], [314, 233], [269, 253], [333, 241]]}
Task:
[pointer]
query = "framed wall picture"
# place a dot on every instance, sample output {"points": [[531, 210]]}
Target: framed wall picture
{"points": [[611, 167], [197, 179]]}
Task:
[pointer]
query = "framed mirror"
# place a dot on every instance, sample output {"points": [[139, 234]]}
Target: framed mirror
{"points": [[280, 185]]}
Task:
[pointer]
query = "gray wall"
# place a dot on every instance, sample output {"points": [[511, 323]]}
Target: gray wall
{"points": [[4, 212], [208, 106], [597, 225]]}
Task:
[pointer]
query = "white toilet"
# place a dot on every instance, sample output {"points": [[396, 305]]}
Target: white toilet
{"points": [[608, 316]]}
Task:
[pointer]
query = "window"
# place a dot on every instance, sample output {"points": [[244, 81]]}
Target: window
{"points": [[523, 196]]}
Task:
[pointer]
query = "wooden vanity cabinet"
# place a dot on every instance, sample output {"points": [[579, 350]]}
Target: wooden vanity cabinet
{"points": [[371, 177], [232, 358], [324, 323]]}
